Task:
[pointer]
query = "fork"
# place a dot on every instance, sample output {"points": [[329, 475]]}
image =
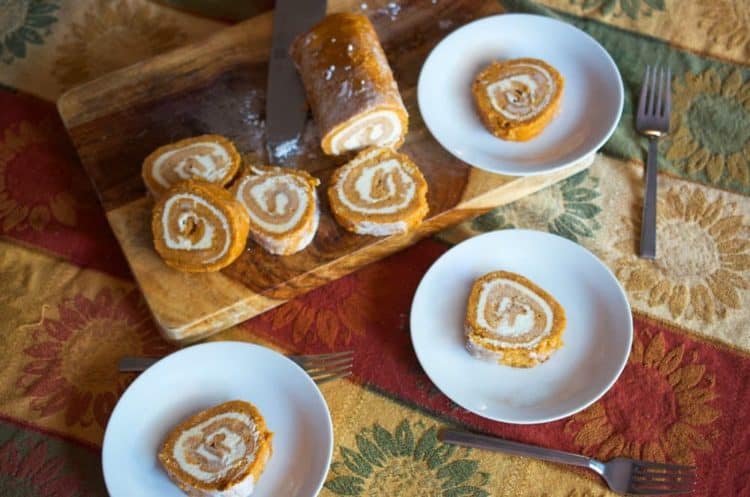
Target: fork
{"points": [[652, 121], [621, 474], [320, 367]]}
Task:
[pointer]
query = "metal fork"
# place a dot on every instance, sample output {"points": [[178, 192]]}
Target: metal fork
{"points": [[320, 367], [621, 474], [652, 121]]}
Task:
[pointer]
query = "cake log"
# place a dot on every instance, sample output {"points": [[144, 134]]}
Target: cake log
{"points": [[349, 84]]}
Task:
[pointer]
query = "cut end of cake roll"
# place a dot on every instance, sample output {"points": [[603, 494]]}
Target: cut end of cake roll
{"points": [[282, 206], [199, 227], [510, 320], [518, 98], [350, 85], [219, 452], [209, 158], [380, 192], [381, 126]]}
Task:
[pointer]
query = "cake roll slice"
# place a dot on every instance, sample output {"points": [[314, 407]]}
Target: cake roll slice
{"points": [[282, 206], [516, 99], [511, 320], [199, 227], [219, 452], [379, 192], [349, 84], [210, 158]]}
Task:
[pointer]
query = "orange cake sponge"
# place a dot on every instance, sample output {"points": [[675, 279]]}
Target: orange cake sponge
{"points": [[511, 320], [379, 192], [210, 158], [199, 227], [219, 452], [518, 98]]}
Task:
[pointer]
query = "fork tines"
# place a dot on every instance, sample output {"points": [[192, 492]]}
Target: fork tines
{"points": [[655, 99], [657, 478], [326, 367]]}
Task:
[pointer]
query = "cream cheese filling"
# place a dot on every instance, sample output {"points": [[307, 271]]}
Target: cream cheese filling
{"points": [[258, 193], [206, 241], [211, 172], [364, 183], [236, 447], [523, 323], [369, 130], [518, 110]]}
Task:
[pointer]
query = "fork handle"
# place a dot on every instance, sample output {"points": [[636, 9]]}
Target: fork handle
{"points": [[468, 439], [648, 219]]}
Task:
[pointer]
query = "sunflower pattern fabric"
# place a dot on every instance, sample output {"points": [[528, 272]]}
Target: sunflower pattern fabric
{"points": [[69, 307]]}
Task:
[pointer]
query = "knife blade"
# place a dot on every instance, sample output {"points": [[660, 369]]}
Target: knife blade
{"points": [[286, 104]]}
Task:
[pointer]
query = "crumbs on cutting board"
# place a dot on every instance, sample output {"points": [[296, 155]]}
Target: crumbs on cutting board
{"points": [[392, 9], [445, 23]]}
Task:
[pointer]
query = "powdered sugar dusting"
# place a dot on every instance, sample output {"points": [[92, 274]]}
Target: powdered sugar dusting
{"points": [[345, 90], [392, 10], [284, 149]]}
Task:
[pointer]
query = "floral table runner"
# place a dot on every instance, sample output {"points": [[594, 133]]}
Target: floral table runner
{"points": [[69, 307]]}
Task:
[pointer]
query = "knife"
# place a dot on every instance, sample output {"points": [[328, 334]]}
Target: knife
{"points": [[286, 105]]}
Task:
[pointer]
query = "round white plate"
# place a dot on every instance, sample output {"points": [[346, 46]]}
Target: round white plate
{"points": [[202, 376], [589, 112], [597, 338]]}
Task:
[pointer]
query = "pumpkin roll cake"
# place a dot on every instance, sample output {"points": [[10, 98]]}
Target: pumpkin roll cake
{"points": [[282, 206], [199, 227], [349, 84], [379, 192], [219, 452], [210, 158], [516, 99], [511, 320]]}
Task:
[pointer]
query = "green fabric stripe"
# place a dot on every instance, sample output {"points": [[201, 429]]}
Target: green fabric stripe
{"points": [[717, 121], [33, 464]]}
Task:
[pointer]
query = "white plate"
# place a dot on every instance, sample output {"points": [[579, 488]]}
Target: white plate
{"points": [[202, 376], [597, 339], [590, 109]]}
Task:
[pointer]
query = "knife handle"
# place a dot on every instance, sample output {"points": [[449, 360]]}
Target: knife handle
{"points": [[133, 364]]}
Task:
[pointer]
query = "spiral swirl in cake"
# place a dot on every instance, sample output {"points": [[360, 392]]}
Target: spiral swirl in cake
{"points": [[380, 192], [210, 158], [198, 226], [382, 127], [219, 452], [512, 320], [281, 205], [516, 99]]}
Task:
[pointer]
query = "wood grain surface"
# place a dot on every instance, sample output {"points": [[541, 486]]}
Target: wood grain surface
{"points": [[218, 86]]}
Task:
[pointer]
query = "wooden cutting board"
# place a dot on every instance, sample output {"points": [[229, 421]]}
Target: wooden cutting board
{"points": [[218, 86]]}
